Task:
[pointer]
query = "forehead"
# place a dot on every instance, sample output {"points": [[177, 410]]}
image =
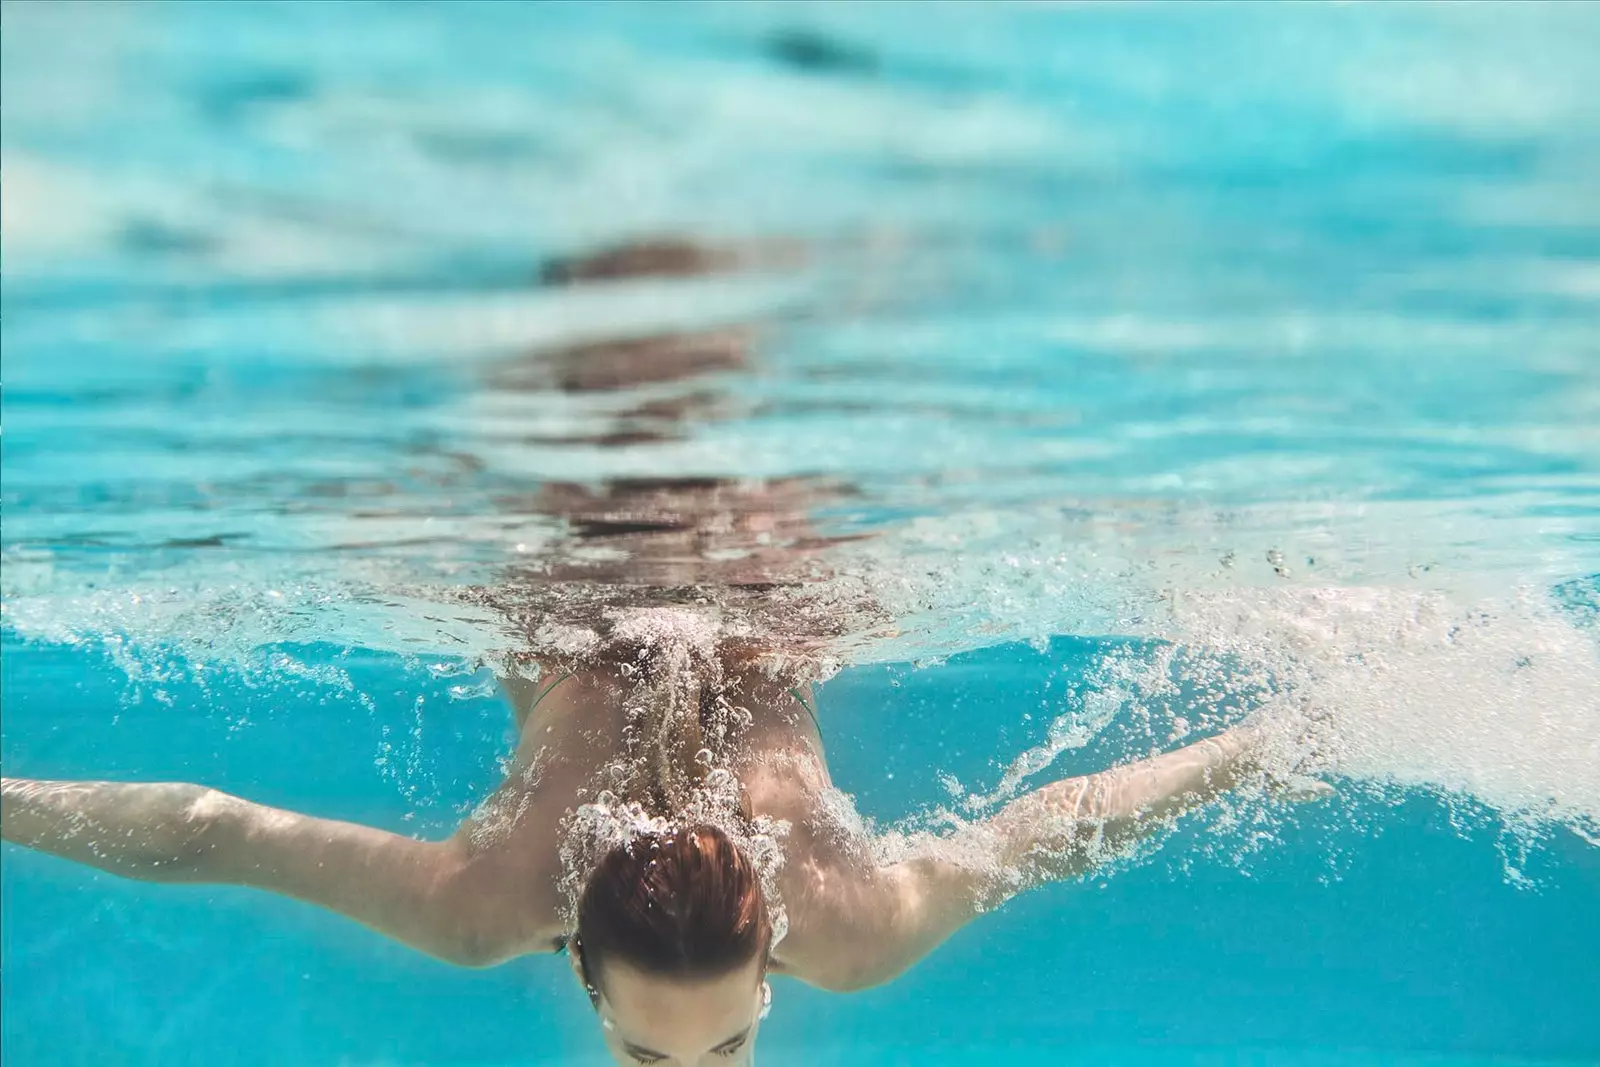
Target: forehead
{"points": [[674, 1014]]}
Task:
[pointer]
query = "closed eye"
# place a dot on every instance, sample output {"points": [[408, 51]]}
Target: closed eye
{"points": [[728, 1048]]}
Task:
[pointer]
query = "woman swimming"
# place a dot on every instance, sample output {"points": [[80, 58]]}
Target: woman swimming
{"points": [[668, 816], [639, 827]]}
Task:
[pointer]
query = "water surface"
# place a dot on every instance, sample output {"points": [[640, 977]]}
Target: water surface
{"points": [[1059, 380]]}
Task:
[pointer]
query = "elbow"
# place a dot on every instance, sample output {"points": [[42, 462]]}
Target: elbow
{"points": [[194, 846], [869, 963], [860, 978], [873, 954], [464, 956], [474, 953]]}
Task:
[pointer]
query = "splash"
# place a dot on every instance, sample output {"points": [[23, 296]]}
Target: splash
{"points": [[608, 822], [1071, 730], [1496, 701], [680, 736], [1375, 645]]}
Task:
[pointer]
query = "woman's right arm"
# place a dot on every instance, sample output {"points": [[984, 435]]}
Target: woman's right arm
{"points": [[426, 894]]}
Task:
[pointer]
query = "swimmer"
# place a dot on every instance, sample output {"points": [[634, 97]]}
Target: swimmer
{"points": [[672, 927]]}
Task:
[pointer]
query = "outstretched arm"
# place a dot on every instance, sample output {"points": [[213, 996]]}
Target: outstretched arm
{"points": [[890, 917], [417, 892], [1068, 828]]}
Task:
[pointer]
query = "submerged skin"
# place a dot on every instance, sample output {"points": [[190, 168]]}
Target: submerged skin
{"points": [[648, 1019], [493, 890]]}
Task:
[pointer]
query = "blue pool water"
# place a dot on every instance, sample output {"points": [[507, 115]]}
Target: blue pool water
{"points": [[1065, 377]]}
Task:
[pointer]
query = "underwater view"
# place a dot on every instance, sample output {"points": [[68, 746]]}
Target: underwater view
{"points": [[800, 533]]}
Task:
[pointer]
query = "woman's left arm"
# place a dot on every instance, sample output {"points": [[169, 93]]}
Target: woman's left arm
{"points": [[892, 916]]}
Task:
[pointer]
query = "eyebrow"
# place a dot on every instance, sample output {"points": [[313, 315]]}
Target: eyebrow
{"points": [[641, 1052], [650, 1053], [734, 1040]]}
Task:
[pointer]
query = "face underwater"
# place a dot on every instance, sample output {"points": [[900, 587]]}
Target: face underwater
{"points": [[677, 1022]]}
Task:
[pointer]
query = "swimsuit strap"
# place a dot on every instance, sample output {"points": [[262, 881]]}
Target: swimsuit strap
{"points": [[547, 690], [811, 711]]}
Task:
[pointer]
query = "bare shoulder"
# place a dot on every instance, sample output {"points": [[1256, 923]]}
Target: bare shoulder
{"points": [[845, 911], [842, 900], [509, 848], [499, 875]]}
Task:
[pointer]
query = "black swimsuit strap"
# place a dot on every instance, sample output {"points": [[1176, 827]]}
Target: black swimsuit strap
{"points": [[811, 711], [538, 700]]}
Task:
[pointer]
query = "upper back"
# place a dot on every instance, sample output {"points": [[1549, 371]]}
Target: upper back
{"points": [[576, 727]]}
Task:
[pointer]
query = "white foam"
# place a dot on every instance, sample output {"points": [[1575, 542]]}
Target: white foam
{"points": [[1497, 700]]}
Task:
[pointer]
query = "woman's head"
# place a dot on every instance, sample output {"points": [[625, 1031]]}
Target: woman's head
{"points": [[672, 943]]}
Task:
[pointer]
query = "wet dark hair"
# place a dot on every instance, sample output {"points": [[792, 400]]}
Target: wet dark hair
{"points": [[684, 902]]}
